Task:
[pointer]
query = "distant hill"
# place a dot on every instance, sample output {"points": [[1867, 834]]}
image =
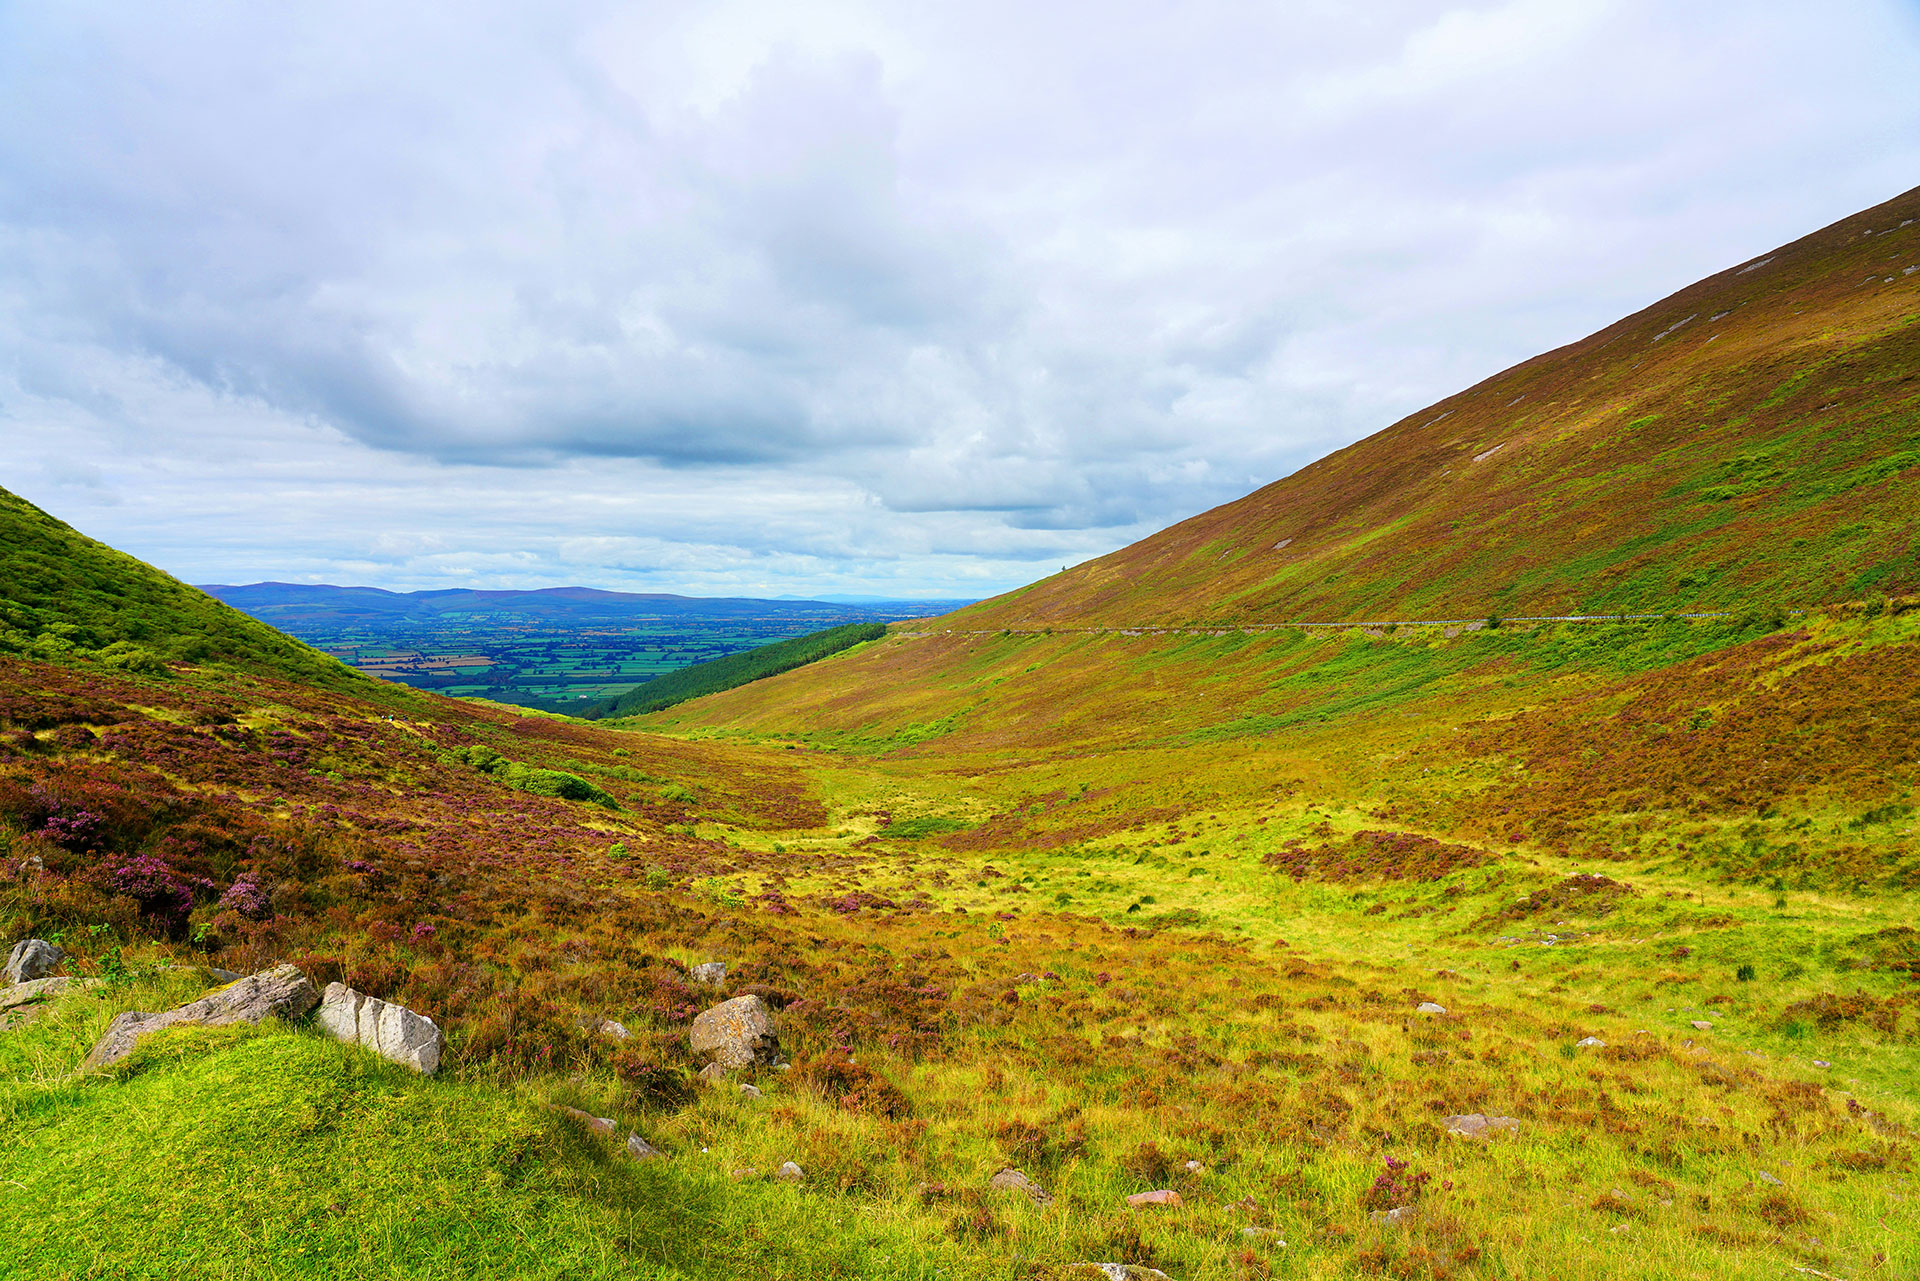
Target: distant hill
{"points": [[63, 595], [1752, 438], [298, 606]]}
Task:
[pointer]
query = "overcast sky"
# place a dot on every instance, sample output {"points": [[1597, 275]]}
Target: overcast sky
{"points": [[910, 299]]}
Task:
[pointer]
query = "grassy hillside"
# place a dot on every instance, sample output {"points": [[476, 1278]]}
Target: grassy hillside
{"points": [[63, 595], [734, 670], [1752, 438]]}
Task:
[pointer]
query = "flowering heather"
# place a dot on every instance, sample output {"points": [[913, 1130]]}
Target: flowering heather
{"points": [[247, 897]]}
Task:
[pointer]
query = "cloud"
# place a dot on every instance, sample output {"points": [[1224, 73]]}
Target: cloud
{"points": [[848, 293]]}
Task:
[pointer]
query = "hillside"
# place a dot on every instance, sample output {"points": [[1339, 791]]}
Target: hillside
{"points": [[1751, 439], [63, 594], [735, 670]]}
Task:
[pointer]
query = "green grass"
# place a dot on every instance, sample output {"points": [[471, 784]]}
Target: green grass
{"points": [[735, 670]]}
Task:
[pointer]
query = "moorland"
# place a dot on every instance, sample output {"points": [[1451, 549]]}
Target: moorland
{"points": [[1487, 853]]}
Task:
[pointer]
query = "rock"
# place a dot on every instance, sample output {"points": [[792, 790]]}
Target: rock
{"points": [[1262, 1234], [749, 1091], [713, 1073], [1476, 1126], [737, 1033], [602, 1125], [1160, 1196], [1591, 1043], [1115, 1272], [1194, 1167], [1428, 1007], [1012, 1180], [1398, 1214], [639, 1149], [710, 974], [219, 975], [32, 959], [790, 1173], [282, 992], [610, 1028], [1768, 1178], [392, 1031], [40, 990], [1822, 1063], [1702, 1025]]}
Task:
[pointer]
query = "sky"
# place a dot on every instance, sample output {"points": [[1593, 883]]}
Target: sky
{"points": [[897, 299]]}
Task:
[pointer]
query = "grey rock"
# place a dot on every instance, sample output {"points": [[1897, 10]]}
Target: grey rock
{"points": [[1194, 1167], [40, 990], [790, 1173], [1591, 1043], [749, 1091], [1702, 1025], [1475, 1125], [639, 1149], [219, 975], [1012, 1180], [615, 1030], [282, 992], [709, 974], [1768, 1178], [392, 1031], [1822, 1063], [737, 1033], [1398, 1214], [32, 959], [1117, 1272], [1428, 1007]]}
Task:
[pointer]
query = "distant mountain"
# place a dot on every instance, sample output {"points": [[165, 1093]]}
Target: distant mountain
{"points": [[302, 606]]}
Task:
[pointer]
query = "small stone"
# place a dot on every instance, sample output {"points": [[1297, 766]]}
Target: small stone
{"points": [[1428, 1007], [1262, 1234], [617, 1031], [709, 974], [1591, 1043], [1768, 1178], [32, 959], [1193, 1167], [1398, 1214], [639, 1149], [1160, 1196], [713, 1073], [594, 1124], [1012, 1180], [1702, 1025], [392, 1031], [40, 990], [1822, 1063], [749, 1091], [737, 1033], [1115, 1272], [790, 1173], [282, 992], [1474, 1125]]}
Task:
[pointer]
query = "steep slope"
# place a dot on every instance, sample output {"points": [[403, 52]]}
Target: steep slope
{"points": [[1753, 437], [64, 595]]}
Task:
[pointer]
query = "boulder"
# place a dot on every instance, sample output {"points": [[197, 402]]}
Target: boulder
{"points": [[1012, 1180], [1160, 1196], [737, 1033], [1474, 1125], [790, 1173], [601, 1125], [1591, 1043], [32, 959], [39, 990], [1115, 1272], [639, 1149], [1428, 1007], [392, 1031], [279, 993], [618, 1031], [709, 973], [749, 1091]]}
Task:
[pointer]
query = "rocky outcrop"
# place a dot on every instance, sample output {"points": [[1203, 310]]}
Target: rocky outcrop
{"points": [[32, 959], [392, 1031], [280, 993], [737, 1034], [39, 990], [1012, 1180]]}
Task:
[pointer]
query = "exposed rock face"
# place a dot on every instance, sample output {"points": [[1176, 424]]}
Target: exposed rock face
{"points": [[1161, 1196], [280, 993], [32, 959], [737, 1033], [39, 989], [710, 974], [1012, 1180], [1476, 1126], [392, 1031]]}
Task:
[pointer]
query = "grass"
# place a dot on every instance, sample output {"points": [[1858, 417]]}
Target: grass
{"points": [[732, 670]]}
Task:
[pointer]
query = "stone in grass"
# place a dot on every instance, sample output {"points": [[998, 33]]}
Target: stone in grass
{"points": [[392, 1031], [1428, 1007], [1398, 1214], [1591, 1043], [1160, 1196], [1115, 1272], [282, 992], [639, 1149], [40, 989], [617, 1031], [1263, 1234], [737, 1033], [749, 1091], [790, 1173], [32, 959], [1702, 1025], [1194, 1167], [601, 1125], [1768, 1178], [1475, 1125], [1012, 1180], [709, 974]]}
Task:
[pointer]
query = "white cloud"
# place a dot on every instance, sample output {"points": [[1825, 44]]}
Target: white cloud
{"points": [[745, 296]]}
